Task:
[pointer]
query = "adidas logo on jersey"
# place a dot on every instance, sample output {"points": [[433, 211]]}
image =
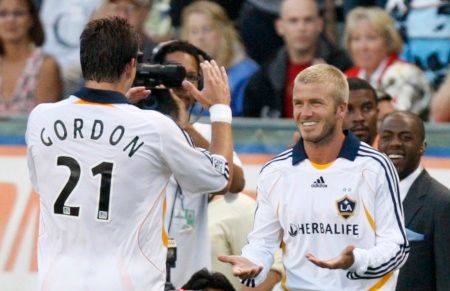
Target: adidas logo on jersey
{"points": [[319, 183]]}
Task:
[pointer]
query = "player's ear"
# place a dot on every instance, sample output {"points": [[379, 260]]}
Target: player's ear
{"points": [[130, 68], [341, 109], [423, 147]]}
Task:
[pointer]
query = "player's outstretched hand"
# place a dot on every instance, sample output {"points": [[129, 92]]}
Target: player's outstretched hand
{"points": [[216, 89], [136, 94], [344, 261], [242, 267]]}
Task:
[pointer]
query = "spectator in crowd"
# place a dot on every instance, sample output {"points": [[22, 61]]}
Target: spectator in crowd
{"points": [[206, 25], [440, 106], [63, 23], [204, 280], [159, 24], [374, 44], [339, 175], [232, 9], [136, 13], [257, 30], [230, 220], [187, 214], [361, 117], [426, 204], [27, 75], [269, 92], [115, 161]]}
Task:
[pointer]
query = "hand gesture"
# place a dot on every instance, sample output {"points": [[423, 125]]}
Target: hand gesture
{"points": [[344, 261], [242, 267], [216, 89], [136, 94]]}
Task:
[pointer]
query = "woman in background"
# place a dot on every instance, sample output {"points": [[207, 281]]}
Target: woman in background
{"points": [[27, 75], [206, 25], [374, 44]]}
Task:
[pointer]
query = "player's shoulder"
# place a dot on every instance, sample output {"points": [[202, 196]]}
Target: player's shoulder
{"points": [[151, 118], [372, 158], [278, 163], [42, 109]]}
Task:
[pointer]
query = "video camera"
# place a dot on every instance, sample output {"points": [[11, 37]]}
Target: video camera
{"points": [[153, 76]]}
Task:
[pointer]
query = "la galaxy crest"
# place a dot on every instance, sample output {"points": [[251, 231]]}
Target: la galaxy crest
{"points": [[346, 207]]}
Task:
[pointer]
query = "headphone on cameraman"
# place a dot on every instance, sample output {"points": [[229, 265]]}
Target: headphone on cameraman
{"points": [[161, 50]]}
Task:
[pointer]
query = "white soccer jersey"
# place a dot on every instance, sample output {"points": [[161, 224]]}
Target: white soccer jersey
{"points": [[353, 201], [101, 170]]}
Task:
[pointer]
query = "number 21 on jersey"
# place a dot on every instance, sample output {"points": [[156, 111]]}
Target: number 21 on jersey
{"points": [[104, 169]]}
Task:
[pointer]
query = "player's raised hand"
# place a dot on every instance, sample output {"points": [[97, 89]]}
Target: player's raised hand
{"points": [[136, 94], [344, 261], [216, 89], [242, 267]]}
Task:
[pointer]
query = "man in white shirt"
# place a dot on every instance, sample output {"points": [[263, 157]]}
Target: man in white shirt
{"points": [[187, 214], [426, 204], [101, 165], [330, 196]]}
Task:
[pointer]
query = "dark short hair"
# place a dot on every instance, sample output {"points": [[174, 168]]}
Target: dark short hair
{"points": [[107, 45], [161, 51], [411, 116], [36, 32], [360, 84], [204, 279]]}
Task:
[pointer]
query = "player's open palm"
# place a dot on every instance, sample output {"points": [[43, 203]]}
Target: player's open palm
{"points": [[242, 267], [344, 261], [216, 89]]}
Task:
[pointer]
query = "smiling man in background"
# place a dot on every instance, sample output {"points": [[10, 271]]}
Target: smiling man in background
{"points": [[426, 204]]}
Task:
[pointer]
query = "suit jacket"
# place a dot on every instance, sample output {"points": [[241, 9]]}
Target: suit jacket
{"points": [[427, 212]]}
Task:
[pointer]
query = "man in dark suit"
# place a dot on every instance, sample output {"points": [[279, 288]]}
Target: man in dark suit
{"points": [[426, 205]]}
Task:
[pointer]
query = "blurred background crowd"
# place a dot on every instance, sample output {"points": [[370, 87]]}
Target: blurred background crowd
{"points": [[401, 47]]}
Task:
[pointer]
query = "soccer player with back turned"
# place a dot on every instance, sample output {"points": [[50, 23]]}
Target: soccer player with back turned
{"points": [[101, 166]]}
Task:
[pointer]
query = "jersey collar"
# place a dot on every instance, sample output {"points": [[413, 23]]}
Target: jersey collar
{"points": [[348, 151], [101, 96]]}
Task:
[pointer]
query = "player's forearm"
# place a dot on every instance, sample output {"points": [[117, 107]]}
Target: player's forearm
{"points": [[378, 261], [237, 180], [197, 138], [262, 243], [222, 144]]}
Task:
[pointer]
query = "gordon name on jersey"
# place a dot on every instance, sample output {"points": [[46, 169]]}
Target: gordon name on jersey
{"points": [[90, 129]]}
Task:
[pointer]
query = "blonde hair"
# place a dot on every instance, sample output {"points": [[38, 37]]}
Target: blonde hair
{"points": [[382, 23], [230, 43], [326, 74]]}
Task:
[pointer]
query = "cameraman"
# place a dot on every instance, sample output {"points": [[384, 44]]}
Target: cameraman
{"points": [[187, 215], [101, 166]]}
